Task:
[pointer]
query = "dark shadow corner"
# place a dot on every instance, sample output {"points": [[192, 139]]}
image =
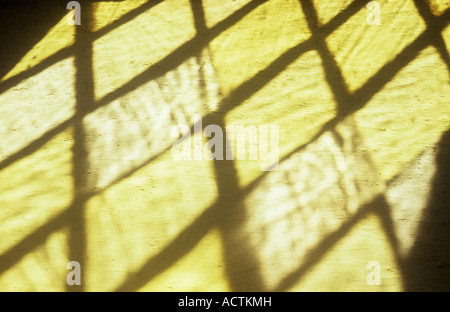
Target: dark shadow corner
{"points": [[427, 267]]}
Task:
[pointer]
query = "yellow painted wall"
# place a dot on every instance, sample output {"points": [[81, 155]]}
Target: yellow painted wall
{"points": [[87, 119]]}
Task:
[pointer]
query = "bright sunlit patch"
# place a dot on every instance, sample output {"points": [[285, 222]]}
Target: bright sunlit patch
{"points": [[255, 41], [59, 36], [35, 106], [446, 37], [135, 128], [135, 46], [344, 266], [408, 196], [203, 268], [136, 219]]}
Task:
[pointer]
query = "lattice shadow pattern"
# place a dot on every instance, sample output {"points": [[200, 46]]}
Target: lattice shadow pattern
{"points": [[323, 187]]}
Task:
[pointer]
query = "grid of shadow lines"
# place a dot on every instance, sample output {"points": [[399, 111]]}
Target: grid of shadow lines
{"points": [[346, 102]]}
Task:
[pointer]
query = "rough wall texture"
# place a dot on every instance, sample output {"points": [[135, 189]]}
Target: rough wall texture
{"points": [[355, 193]]}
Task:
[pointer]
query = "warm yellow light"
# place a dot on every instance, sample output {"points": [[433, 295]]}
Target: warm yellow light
{"points": [[135, 46], [360, 111]]}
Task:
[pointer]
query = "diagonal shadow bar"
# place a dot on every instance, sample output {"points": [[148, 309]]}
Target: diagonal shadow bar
{"points": [[127, 17], [36, 144], [180, 246], [434, 22], [340, 18], [391, 69]]}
